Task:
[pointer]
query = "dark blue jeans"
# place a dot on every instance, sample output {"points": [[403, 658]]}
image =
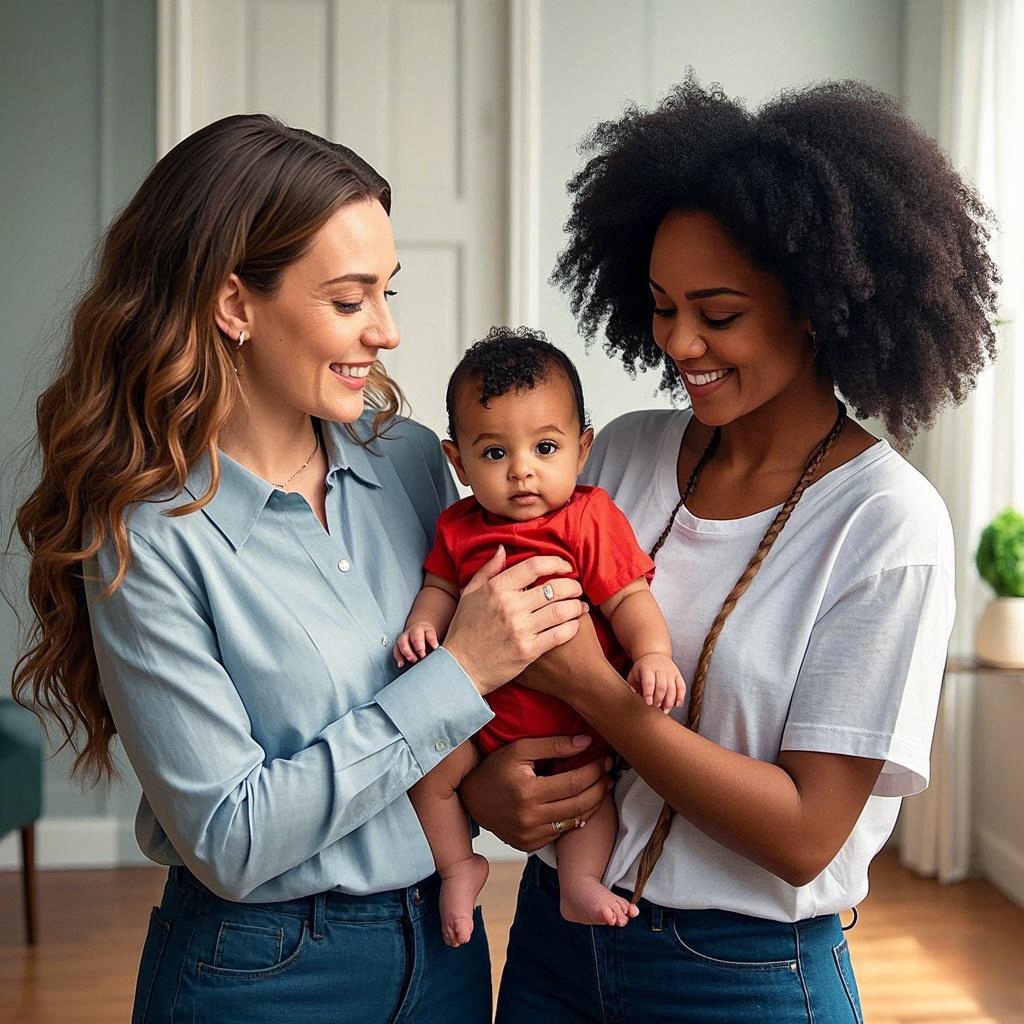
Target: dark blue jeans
{"points": [[328, 957], [700, 966]]}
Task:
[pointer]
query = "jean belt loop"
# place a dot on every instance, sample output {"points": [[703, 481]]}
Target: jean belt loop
{"points": [[319, 913], [657, 918]]}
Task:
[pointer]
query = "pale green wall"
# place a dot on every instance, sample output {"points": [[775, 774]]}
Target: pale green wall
{"points": [[77, 132]]}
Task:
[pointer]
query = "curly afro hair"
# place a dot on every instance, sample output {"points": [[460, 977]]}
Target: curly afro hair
{"points": [[511, 359], [874, 235]]}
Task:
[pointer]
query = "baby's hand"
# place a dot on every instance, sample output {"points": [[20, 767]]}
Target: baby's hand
{"points": [[656, 678], [416, 642]]}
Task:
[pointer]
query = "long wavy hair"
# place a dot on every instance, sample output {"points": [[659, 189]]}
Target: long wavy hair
{"points": [[146, 382]]}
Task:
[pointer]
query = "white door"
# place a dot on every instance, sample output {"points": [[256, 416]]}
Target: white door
{"points": [[417, 88]]}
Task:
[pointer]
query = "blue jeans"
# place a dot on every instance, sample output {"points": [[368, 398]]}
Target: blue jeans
{"points": [[701, 966], [328, 957]]}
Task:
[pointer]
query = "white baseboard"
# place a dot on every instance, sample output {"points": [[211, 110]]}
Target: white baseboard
{"points": [[67, 843], [494, 849], [1002, 864], [63, 843]]}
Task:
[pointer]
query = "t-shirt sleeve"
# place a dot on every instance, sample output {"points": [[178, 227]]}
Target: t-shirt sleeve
{"points": [[869, 682], [440, 560], [608, 554]]}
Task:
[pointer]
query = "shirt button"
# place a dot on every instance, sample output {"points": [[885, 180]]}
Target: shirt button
{"points": [[440, 745], [344, 565], [383, 641]]}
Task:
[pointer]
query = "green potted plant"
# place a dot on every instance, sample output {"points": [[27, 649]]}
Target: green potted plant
{"points": [[1000, 560]]}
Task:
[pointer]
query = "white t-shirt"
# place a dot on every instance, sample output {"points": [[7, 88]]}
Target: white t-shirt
{"points": [[838, 645]]}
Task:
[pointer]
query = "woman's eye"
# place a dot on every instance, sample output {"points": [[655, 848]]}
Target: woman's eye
{"points": [[348, 307], [494, 454], [389, 294], [547, 448], [664, 312], [719, 321]]}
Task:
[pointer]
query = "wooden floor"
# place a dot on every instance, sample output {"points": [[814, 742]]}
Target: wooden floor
{"points": [[924, 953]]}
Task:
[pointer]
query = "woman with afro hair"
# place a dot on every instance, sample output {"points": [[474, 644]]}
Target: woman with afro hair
{"points": [[778, 265]]}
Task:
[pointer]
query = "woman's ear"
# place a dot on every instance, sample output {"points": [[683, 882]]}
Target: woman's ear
{"points": [[586, 440], [231, 308], [451, 449]]}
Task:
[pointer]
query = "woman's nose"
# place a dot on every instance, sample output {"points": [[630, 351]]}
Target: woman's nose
{"points": [[383, 332], [684, 341]]}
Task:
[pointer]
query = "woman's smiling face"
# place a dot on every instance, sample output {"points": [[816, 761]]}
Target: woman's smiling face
{"points": [[314, 340], [728, 326]]}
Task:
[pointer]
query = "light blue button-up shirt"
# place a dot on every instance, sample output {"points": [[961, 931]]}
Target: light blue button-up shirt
{"points": [[247, 661]]}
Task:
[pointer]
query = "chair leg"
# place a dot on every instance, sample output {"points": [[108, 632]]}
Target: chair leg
{"points": [[28, 880]]}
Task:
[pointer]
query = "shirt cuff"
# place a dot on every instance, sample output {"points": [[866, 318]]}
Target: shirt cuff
{"points": [[457, 711]]}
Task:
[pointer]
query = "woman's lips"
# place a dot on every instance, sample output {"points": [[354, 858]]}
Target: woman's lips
{"points": [[353, 376], [701, 383]]}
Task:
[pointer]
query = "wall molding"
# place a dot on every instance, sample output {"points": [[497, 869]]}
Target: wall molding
{"points": [[1001, 863], [524, 49], [72, 843], [68, 843], [494, 849], [173, 72]]}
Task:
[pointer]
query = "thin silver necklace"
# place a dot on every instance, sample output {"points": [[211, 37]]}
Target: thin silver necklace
{"points": [[312, 456]]}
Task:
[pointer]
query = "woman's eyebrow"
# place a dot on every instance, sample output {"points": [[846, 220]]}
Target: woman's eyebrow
{"points": [[360, 278], [701, 293], [710, 293]]}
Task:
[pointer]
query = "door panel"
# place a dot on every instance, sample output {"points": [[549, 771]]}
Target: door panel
{"points": [[417, 87]]}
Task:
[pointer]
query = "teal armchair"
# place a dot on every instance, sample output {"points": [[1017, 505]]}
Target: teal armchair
{"points": [[21, 793]]}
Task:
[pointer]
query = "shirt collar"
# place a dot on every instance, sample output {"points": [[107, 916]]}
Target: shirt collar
{"points": [[344, 452], [238, 501], [241, 495]]}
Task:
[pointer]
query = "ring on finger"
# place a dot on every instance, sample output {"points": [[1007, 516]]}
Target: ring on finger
{"points": [[567, 825], [548, 591]]}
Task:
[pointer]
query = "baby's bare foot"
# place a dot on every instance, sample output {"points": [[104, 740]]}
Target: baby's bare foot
{"points": [[586, 901], [461, 883]]}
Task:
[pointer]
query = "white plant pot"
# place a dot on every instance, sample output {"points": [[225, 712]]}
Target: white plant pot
{"points": [[999, 640]]}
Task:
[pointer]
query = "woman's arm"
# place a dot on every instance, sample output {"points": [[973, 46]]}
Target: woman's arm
{"points": [[791, 817], [237, 816]]}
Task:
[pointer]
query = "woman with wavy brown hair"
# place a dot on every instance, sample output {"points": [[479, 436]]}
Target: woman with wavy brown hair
{"points": [[225, 538]]}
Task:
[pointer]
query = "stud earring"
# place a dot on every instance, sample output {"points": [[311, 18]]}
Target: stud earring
{"points": [[242, 338]]}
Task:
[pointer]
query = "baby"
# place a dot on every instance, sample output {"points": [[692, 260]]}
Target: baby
{"points": [[519, 439]]}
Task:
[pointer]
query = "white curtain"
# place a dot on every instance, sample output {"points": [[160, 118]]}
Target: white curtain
{"points": [[975, 454]]}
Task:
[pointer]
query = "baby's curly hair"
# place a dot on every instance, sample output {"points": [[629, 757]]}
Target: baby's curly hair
{"points": [[876, 238], [511, 359]]}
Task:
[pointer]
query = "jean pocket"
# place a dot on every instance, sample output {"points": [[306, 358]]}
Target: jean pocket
{"points": [[841, 955], [723, 954], [247, 952], [152, 952]]}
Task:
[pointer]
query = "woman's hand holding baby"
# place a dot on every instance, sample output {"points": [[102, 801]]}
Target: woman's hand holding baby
{"points": [[503, 622]]}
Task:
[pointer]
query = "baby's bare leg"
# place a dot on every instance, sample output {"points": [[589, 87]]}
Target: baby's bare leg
{"points": [[443, 818], [582, 857]]}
